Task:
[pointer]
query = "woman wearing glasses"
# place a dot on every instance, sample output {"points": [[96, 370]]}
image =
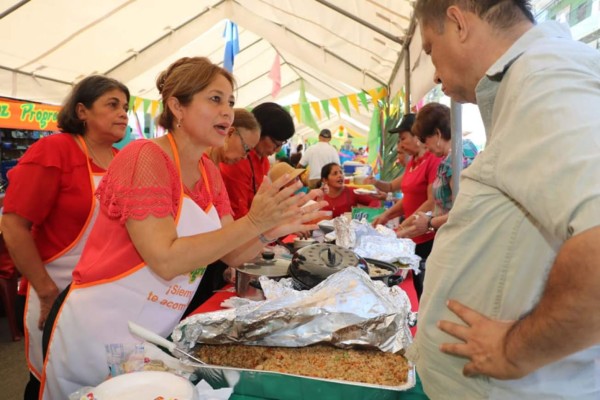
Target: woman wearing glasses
{"points": [[243, 178], [242, 137]]}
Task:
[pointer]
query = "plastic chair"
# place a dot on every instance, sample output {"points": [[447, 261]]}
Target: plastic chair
{"points": [[8, 295]]}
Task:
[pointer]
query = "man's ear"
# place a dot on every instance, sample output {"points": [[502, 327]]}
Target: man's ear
{"points": [[458, 21]]}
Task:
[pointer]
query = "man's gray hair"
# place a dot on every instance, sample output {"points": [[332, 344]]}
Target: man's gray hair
{"points": [[501, 14]]}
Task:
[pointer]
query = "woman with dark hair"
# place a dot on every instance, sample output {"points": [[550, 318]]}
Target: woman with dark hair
{"points": [[432, 127], [340, 198], [164, 216], [49, 206]]}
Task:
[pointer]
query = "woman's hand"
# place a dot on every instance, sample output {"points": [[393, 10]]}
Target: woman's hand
{"points": [[307, 213], [46, 302], [381, 219], [273, 203], [419, 223]]}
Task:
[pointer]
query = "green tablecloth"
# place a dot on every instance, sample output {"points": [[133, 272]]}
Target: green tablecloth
{"points": [[281, 390]]}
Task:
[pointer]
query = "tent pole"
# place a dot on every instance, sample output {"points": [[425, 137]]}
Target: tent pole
{"points": [[407, 81], [456, 118], [361, 21]]}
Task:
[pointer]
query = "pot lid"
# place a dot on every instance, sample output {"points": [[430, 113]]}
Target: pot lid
{"points": [[267, 265], [312, 264]]}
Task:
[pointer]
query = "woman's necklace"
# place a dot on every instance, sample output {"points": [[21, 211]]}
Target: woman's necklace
{"points": [[97, 160]]}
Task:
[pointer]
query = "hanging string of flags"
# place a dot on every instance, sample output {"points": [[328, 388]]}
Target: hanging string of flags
{"points": [[316, 108], [324, 106]]}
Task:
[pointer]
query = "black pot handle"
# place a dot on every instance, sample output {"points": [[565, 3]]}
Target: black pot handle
{"points": [[255, 285], [395, 280]]}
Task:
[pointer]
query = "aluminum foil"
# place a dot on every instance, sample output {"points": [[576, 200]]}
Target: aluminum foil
{"points": [[378, 243], [346, 309]]}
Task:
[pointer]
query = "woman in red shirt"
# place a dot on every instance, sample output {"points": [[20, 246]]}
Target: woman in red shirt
{"points": [[49, 206], [417, 189], [339, 197]]}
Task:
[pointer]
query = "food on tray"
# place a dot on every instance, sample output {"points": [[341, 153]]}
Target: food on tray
{"points": [[375, 271], [319, 361]]}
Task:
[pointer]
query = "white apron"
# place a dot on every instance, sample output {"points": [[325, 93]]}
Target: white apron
{"points": [[96, 314], [60, 269]]}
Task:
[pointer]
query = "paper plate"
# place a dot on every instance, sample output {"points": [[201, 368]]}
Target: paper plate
{"points": [[364, 191], [146, 385]]}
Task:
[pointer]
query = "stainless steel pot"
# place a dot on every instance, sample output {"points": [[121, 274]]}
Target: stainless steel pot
{"points": [[247, 284]]}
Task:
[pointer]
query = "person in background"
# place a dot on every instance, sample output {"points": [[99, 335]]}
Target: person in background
{"points": [[242, 137], [164, 216], [339, 197], [49, 206], [417, 188], [433, 128], [243, 178], [316, 156], [297, 156], [402, 158], [510, 308]]}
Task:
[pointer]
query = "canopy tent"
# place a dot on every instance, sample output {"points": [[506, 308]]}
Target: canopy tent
{"points": [[333, 47]]}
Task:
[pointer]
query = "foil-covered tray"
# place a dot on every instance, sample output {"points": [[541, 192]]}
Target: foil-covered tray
{"points": [[347, 309]]}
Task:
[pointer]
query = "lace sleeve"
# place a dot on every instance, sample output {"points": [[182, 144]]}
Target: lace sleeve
{"points": [[141, 181]]}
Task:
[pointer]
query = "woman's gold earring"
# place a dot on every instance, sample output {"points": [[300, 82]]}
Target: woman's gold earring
{"points": [[179, 123]]}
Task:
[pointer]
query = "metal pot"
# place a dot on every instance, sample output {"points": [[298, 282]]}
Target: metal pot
{"points": [[312, 264], [247, 284]]}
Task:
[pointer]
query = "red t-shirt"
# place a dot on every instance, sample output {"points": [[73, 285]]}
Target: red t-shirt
{"points": [[239, 182], [346, 200], [50, 187], [141, 181], [419, 174]]}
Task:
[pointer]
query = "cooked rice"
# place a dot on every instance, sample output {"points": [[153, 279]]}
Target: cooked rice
{"points": [[320, 361]]}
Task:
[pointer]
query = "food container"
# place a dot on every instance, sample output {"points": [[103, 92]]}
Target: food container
{"points": [[251, 384], [313, 264], [247, 284], [385, 272]]}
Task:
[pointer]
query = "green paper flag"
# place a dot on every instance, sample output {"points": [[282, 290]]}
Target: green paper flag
{"points": [[131, 102], [374, 140], [306, 113], [147, 103], [344, 100], [363, 99], [325, 105]]}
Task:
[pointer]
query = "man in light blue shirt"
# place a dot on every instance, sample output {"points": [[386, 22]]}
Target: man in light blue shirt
{"points": [[510, 303]]}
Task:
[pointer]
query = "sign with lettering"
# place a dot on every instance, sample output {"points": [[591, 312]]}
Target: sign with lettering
{"points": [[16, 114]]}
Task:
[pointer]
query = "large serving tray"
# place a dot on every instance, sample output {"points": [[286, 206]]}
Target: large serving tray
{"points": [[249, 384]]}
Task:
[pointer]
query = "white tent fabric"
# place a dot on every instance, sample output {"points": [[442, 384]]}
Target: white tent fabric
{"points": [[337, 47]]}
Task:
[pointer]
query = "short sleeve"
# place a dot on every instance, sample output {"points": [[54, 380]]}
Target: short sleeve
{"points": [[36, 181], [141, 181]]}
